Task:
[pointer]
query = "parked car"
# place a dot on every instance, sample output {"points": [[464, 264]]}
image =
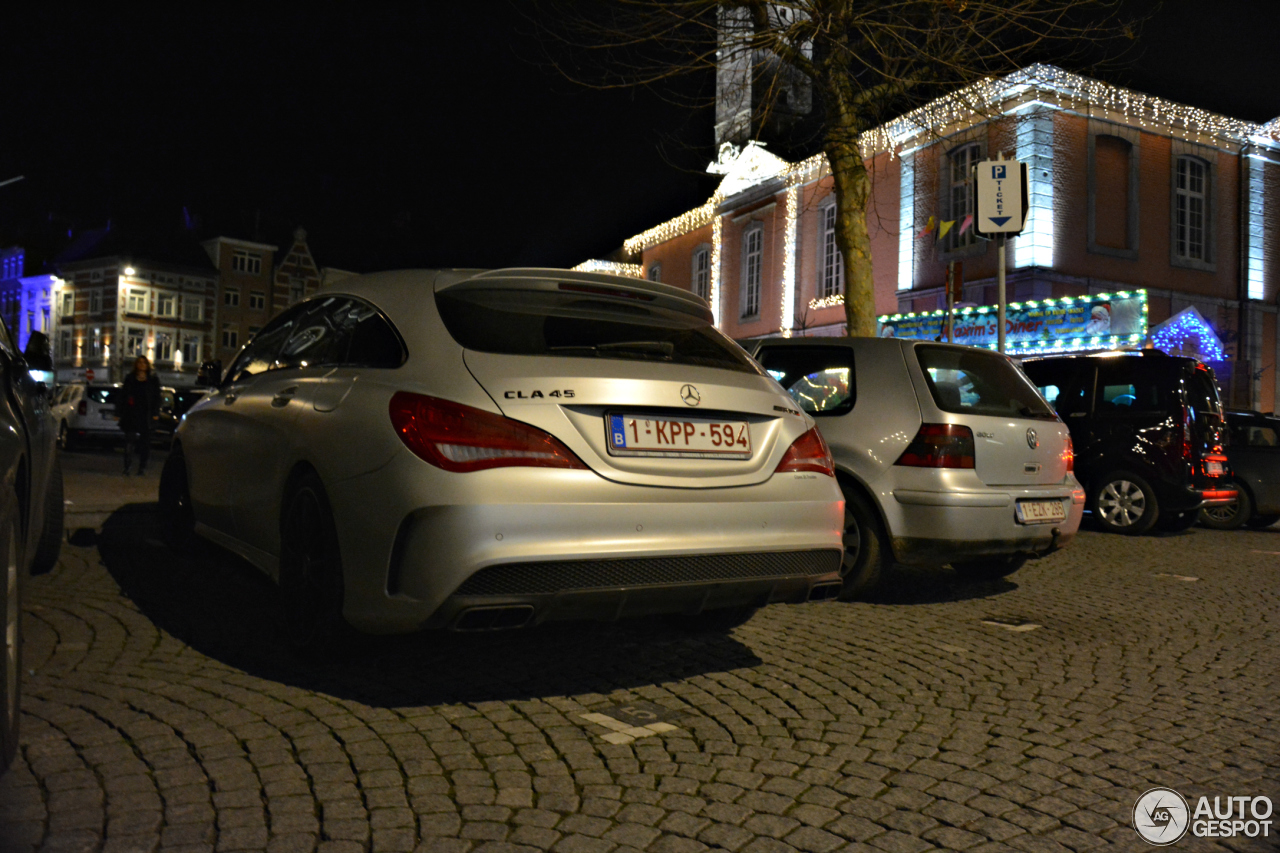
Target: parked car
{"points": [[946, 454], [185, 398], [86, 414], [1148, 431], [1253, 450], [478, 450], [31, 510]]}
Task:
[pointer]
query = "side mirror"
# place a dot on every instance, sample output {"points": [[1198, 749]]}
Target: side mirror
{"points": [[210, 374], [38, 354]]}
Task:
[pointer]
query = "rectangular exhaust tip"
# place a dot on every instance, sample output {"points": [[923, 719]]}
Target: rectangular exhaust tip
{"points": [[825, 591], [494, 618]]}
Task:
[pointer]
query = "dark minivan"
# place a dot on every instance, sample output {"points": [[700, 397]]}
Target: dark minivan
{"points": [[1148, 432]]}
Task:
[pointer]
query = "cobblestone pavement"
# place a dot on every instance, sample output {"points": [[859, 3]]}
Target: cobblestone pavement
{"points": [[1029, 714]]}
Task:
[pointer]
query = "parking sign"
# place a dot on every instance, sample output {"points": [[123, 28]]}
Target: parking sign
{"points": [[1001, 195]]}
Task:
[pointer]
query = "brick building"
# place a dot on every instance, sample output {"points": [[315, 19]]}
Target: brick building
{"points": [[1126, 192]]}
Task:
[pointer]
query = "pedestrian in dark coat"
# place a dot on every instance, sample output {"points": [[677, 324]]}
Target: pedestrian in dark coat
{"points": [[138, 407]]}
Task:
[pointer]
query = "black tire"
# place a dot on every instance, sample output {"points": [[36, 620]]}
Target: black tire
{"points": [[713, 621], [49, 546], [1176, 522], [177, 516], [311, 586], [867, 553], [11, 611], [1123, 502], [1229, 516], [990, 568], [1260, 521]]}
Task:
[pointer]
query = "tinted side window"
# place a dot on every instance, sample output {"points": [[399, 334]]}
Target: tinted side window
{"points": [[1129, 387], [1064, 385], [819, 379], [261, 353], [320, 336], [1254, 433], [373, 340]]}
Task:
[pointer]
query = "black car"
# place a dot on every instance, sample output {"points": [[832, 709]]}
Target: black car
{"points": [[30, 506], [1148, 433], [1254, 453]]}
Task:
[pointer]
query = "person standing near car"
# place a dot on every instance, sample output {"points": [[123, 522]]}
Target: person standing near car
{"points": [[139, 405]]}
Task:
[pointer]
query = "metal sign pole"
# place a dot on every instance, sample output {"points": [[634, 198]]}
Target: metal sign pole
{"points": [[1000, 241]]}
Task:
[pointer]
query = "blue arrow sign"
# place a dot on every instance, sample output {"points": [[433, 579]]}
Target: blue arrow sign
{"points": [[999, 220]]}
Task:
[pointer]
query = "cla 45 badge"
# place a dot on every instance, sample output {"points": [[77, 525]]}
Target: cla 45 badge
{"points": [[537, 395]]}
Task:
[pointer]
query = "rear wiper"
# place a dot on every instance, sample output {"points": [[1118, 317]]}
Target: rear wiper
{"points": [[664, 349]]}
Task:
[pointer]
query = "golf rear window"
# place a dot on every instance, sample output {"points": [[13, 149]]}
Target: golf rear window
{"points": [[584, 325], [976, 382]]}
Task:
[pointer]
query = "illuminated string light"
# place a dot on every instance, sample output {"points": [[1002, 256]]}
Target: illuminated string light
{"points": [[789, 263], [717, 232], [612, 267], [1188, 326]]}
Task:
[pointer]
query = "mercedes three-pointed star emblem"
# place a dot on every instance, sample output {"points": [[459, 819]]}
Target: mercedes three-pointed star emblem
{"points": [[690, 395]]}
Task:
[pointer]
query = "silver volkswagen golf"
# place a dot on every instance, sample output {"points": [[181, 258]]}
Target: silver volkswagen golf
{"points": [[946, 454], [479, 450]]}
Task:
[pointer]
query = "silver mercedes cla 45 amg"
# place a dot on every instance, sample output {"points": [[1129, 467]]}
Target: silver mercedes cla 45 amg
{"points": [[477, 450]]}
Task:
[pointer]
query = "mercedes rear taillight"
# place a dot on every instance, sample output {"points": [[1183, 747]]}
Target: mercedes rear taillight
{"points": [[461, 438], [83, 408], [808, 453], [940, 446]]}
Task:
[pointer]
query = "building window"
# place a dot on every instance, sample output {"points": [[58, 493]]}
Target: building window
{"points": [[31, 322], [230, 336], [655, 272], [257, 300], [296, 289], [95, 301], [249, 262], [164, 346], [830, 263], [960, 200], [1113, 192], [752, 262], [1190, 209], [192, 309], [167, 305], [95, 343], [136, 301], [231, 297], [191, 349], [64, 343], [44, 320], [135, 341], [68, 304], [702, 272]]}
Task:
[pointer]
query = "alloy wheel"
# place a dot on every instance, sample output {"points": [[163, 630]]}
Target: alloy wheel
{"points": [[852, 542], [1224, 514], [1122, 503]]}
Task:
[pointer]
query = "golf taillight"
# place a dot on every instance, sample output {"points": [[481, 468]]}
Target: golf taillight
{"points": [[808, 453], [939, 446], [462, 438], [1069, 454]]}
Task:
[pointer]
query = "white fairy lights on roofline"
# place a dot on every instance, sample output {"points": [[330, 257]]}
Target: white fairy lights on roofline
{"points": [[1046, 85], [611, 267]]}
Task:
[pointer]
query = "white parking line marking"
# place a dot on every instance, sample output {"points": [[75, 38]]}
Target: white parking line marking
{"points": [[1264, 552], [1017, 626], [1184, 578], [624, 733]]}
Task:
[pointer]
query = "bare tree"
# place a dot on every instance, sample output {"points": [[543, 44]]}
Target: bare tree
{"points": [[867, 61]]}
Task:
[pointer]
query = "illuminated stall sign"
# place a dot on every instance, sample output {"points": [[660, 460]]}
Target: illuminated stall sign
{"points": [[1070, 324]]}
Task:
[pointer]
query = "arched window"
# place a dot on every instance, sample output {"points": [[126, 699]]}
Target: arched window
{"points": [[961, 162], [830, 262], [655, 272]]}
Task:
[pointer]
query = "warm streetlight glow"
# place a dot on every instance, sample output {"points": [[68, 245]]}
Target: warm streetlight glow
{"points": [[130, 271]]}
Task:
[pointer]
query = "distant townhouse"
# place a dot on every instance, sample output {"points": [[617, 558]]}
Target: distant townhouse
{"points": [[1173, 207]]}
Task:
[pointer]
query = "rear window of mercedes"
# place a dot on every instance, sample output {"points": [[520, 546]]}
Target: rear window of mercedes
{"points": [[560, 323], [976, 382], [102, 395]]}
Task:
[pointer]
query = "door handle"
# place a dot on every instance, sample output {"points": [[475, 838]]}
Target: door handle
{"points": [[282, 399]]}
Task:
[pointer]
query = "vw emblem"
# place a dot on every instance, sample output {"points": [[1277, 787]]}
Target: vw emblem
{"points": [[1032, 441], [690, 395]]}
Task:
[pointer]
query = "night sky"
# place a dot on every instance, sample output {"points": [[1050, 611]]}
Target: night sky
{"points": [[427, 135]]}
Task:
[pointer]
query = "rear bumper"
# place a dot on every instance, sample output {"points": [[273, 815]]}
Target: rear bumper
{"points": [[931, 528], [1193, 499], [519, 594]]}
